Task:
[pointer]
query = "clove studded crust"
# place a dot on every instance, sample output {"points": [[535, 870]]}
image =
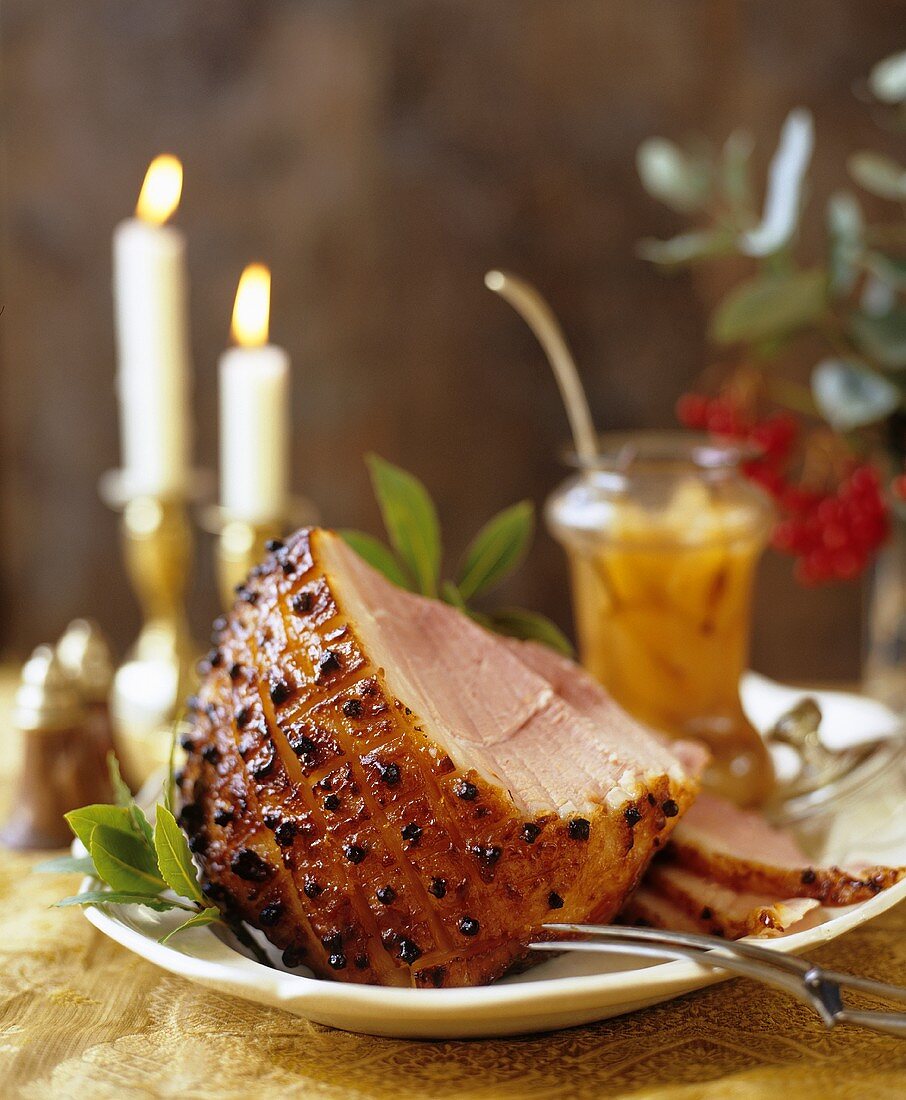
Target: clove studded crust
{"points": [[391, 794]]}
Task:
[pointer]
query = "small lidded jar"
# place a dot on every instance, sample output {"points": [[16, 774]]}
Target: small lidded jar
{"points": [[663, 532]]}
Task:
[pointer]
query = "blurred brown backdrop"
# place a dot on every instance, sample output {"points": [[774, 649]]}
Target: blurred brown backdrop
{"points": [[381, 157]]}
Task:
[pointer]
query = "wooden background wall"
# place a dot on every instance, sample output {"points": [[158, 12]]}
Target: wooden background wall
{"points": [[381, 157]]}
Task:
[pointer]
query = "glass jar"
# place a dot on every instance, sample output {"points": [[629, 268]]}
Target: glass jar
{"points": [[663, 532], [885, 619]]}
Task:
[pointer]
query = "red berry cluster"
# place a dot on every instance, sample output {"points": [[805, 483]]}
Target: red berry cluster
{"points": [[774, 437], [832, 534]]}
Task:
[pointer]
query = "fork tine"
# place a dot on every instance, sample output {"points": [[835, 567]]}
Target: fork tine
{"points": [[739, 948]]}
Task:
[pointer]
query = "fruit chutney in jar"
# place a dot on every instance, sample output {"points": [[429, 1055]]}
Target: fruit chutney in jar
{"points": [[663, 533]]}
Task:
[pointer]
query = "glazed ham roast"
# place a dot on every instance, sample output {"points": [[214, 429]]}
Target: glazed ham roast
{"points": [[393, 795]]}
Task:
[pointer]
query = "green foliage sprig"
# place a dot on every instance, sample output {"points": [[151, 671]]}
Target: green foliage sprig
{"points": [[414, 558], [853, 301], [137, 863]]}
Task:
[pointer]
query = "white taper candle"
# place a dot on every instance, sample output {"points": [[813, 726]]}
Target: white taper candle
{"points": [[254, 411], [152, 332]]}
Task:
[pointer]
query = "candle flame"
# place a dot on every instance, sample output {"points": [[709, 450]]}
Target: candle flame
{"points": [[251, 311], [160, 192]]}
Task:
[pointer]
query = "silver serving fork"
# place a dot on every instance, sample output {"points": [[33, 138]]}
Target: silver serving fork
{"points": [[820, 989]]}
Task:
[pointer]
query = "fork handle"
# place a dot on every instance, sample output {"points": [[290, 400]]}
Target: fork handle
{"points": [[891, 1023], [867, 985]]}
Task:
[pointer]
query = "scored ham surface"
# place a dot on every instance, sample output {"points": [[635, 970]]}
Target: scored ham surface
{"points": [[394, 795]]}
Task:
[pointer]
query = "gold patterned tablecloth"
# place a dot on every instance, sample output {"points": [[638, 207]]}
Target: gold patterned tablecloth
{"points": [[82, 1018]]}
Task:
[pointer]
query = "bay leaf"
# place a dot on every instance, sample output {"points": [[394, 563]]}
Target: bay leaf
{"points": [[124, 862], [84, 820], [173, 856], [205, 916], [378, 556], [450, 594], [498, 548], [517, 622], [411, 521], [65, 865], [117, 897]]}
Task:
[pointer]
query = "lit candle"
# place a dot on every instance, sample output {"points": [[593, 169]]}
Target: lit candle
{"points": [[254, 410], [152, 330]]}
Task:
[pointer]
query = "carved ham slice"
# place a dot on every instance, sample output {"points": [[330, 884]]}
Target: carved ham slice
{"points": [[668, 894], [394, 795], [722, 911], [739, 849], [649, 909]]}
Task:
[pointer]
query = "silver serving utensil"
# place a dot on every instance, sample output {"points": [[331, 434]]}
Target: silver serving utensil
{"points": [[820, 767], [820, 989]]}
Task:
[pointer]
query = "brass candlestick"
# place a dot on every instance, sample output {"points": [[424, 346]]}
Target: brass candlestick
{"points": [[151, 685], [239, 547], [241, 543]]}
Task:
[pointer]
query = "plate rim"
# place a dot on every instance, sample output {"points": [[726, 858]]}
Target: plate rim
{"points": [[688, 975]]}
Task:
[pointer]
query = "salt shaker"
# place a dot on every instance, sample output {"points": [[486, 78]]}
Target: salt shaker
{"points": [[58, 772], [85, 656]]}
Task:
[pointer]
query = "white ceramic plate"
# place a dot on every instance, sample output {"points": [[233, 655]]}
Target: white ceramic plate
{"points": [[561, 992]]}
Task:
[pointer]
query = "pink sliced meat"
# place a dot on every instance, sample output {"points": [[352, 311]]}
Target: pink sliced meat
{"points": [[722, 911], [496, 697], [584, 694], [648, 909], [739, 849]]}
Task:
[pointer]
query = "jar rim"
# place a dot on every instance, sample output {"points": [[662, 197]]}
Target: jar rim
{"points": [[619, 451]]}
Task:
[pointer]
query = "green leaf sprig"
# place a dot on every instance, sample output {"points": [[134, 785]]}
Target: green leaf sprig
{"points": [[853, 304], [414, 558], [137, 863]]}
